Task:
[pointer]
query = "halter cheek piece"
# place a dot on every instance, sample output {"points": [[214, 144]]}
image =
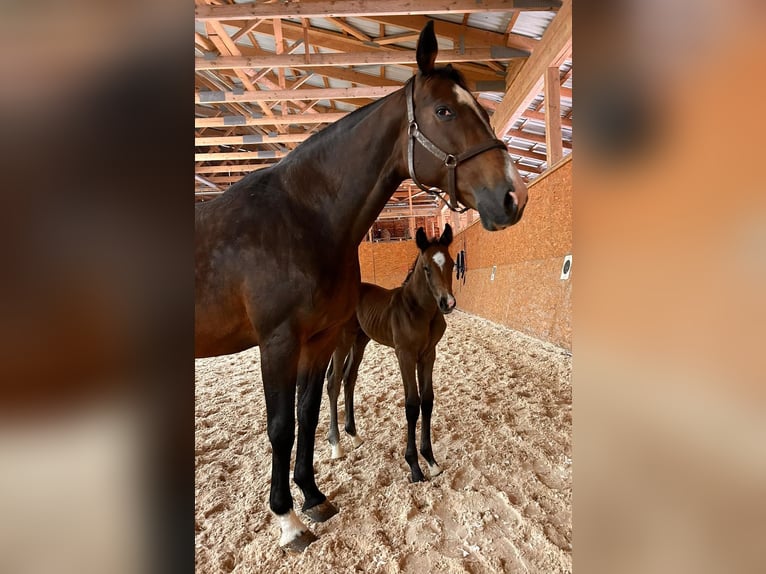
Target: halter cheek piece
{"points": [[449, 160]]}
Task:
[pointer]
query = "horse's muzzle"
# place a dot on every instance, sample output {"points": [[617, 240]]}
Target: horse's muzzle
{"points": [[447, 304], [499, 215]]}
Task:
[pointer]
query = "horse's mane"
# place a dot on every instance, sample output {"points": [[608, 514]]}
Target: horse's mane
{"points": [[353, 118], [450, 73]]}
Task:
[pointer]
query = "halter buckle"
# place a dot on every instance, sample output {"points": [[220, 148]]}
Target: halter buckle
{"points": [[450, 160], [412, 129]]}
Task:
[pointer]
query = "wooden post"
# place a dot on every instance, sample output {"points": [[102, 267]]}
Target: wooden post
{"points": [[553, 145]]}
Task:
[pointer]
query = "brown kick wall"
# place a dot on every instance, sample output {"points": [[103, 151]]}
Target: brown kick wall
{"points": [[527, 293], [386, 263]]}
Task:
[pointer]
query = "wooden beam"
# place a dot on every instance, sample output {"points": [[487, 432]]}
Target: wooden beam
{"points": [[226, 121], [396, 38], [236, 155], [246, 167], [255, 139], [348, 75], [459, 34], [539, 116], [349, 29], [556, 40], [532, 137], [553, 145], [374, 92], [498, 53], [331, 8]]}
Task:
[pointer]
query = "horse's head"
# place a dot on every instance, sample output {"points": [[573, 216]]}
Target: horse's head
{"points": [[437, 265], [451, 144]]}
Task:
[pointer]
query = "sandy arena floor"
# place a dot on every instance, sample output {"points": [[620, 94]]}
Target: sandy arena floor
{"points": [[502, 427]]}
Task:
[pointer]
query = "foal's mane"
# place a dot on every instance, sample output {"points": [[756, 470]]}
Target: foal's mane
{"points": [[415, 263]]}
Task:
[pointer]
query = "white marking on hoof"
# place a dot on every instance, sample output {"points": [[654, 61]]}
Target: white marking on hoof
{"points": [[435, 470], [356, 441], [337, 451], [291, 526], [439, 259]]}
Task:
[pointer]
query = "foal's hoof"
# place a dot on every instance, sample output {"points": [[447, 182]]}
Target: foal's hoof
{"points": [[300, 543], [321, 512], [337, 451], [356, 441], [434, 470]]}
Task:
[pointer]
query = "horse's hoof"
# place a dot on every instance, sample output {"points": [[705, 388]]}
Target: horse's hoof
{"points": [[356, 441], [300, 543], [337, 451], [321, 512], [434, 470], [417, 476]]}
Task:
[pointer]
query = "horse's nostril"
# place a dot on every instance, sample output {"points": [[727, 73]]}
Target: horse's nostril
{"points": [[508, 202]]}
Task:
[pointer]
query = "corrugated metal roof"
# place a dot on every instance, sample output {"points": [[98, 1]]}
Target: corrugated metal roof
{"points": [[533, 23]]}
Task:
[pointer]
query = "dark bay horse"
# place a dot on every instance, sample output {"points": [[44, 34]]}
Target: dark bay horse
{"points": [[410, 319], [276, 261]]}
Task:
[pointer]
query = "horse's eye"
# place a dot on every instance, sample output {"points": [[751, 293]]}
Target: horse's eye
{"points": [[444, 113], [427, 269]]}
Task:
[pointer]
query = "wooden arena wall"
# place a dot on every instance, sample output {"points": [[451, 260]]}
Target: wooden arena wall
{"points": [[386, 263], [527, 292]]}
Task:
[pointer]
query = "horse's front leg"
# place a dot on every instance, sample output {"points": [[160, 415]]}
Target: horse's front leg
{"points": [[279, 366], [412, 408], [425, 382], [315, 506]]}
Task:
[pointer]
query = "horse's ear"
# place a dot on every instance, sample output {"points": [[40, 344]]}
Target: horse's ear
{"points": [[427, 48], [421, 239], [446, 237]]}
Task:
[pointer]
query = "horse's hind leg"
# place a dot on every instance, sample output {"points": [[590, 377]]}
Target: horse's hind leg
{"points": [[279, 366], [350, 373], [425, 382], [412, 408]]}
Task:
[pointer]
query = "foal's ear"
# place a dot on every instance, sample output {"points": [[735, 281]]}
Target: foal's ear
{"points": [[446, 237], [421, 240], [427, 48]]}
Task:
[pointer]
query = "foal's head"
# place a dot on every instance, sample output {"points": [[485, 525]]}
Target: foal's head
{"points": [[448, 115], [437, 265]]}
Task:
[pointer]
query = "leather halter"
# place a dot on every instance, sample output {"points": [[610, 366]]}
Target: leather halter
{"points": [[449, 160]]}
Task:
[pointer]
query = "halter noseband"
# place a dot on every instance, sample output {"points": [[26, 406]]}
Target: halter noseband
{"points": [[449, 160]]}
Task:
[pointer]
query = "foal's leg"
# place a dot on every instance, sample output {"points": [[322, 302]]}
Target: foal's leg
{"points": [[425, 382], [412, 408], [350, 375], [336, 372], [315, 506], [279, 366], [334, 376]]}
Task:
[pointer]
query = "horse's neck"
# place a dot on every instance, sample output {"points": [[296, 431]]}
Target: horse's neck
{"points": [[360, 167], [417, 292]]}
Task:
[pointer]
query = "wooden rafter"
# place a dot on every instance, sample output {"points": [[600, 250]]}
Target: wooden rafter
{"points": [[331, 8], [497, 53], [266, 121], [557, 39]]}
